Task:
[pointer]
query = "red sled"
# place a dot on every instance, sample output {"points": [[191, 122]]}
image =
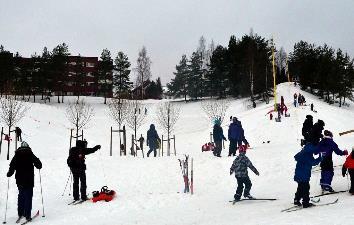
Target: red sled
{"points": [[105, 195], [208, 147]]}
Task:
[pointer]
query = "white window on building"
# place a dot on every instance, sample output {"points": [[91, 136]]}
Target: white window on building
{"points": [[89, 64], [72, 63], [90, 74]]}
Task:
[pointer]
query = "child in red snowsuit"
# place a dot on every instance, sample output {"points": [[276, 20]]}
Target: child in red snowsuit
{"points": [[349, 165]]}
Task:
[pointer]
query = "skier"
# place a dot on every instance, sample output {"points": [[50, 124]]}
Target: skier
{"points": [[306, 129], [18, 133], [295, 99], [326, 147], [218, 136], [242, 135], [311, 107], [234, 136], [316, 132], [304, 162], [76, 162], [23, 163], [240, 166], [349, 165], [152, 140]]}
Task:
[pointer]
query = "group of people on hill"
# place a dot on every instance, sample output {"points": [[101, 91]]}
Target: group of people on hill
{"points": [[299, 100], [236, 136], [321, 143]]}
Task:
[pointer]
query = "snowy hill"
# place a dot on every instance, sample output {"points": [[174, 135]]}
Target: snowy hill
{"points": [[148, 190]]}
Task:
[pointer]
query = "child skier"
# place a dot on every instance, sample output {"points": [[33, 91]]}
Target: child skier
{"points": [[304, 162], [349, 165], [239, 166], [23, 164], [326, 147]]}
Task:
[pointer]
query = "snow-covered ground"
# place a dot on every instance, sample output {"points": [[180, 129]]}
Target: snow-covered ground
{"points": [[149, 190]]}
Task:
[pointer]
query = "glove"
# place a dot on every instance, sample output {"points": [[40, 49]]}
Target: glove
{"points": [[257, 173], [8, 174], [345, 152], [231, 172], [98, 147]]}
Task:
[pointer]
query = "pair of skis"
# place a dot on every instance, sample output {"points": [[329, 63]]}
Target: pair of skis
{"points": [[77, 202], [28, 221], [252, 199], [184, 164], [297, 208]]}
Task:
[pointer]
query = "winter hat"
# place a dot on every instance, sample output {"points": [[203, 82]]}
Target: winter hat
{"points": [[309, 117], [242, 148], [81, 144], [328, 134], [234, 119], [321, 123], [24, 144], [217, 122]]}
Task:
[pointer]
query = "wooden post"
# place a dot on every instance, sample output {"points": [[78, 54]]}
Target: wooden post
{"points": [[110, 144], [82, 135], [132, 148], [125, 140], [71, 136], [15, 140], [174, 144], [162, 144], [2, 132], [211, 137]]}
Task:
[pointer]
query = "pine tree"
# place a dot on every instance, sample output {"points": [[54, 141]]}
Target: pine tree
{"points": [[59, 68], [121, 80], [195, 79], [104, 72], [178, 86]]}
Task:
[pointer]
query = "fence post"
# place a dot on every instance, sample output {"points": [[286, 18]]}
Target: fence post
{"points": [[162, 144], [2, 132], [125, 140], [71, 136], [174, 144], [82, 135], [110, 144]]}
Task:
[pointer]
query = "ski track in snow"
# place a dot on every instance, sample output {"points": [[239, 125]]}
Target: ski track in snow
{"points": [[149, 191]]}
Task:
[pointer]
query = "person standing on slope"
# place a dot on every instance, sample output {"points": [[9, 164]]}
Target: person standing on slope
{"points": [[152, 140], [239, 167], [23, 163], [234, 136], [349, 165], [326, 147], [218, 136], [76, 162], [304, 163], [242, 135], [316, 132], [306, 129]]}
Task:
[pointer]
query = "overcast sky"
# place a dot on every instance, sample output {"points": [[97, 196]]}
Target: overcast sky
{"points": [[169, 28]]}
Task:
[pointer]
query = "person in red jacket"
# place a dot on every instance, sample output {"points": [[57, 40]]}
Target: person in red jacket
{"points": [[349, 165]]}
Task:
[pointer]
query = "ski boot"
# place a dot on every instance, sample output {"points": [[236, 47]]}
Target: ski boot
{"points": [[297, 202], [308, 205], [248, 196]]}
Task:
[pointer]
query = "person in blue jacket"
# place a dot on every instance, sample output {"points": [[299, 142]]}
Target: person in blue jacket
{"points": [[218, 136], [234, 136], [304, 163], [326, 147], [152, 140]]}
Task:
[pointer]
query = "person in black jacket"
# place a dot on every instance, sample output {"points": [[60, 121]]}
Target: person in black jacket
{"points": [[76, 162], [218, 136], [152, 140], [306, 128], [316, 132], [23, 163]]}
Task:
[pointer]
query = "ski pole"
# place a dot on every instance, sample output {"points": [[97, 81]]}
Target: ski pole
{"points": [[67, 181], [40, 182], [7, 198], [71, 184]]}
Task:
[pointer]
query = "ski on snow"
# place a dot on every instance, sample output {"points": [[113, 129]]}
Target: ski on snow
{"points": [[80, 202], [253, 199], [328, 193], [33, 217], [296, 208]]}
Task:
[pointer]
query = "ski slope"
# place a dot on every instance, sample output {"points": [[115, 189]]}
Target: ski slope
{"points": [[149, 189]]}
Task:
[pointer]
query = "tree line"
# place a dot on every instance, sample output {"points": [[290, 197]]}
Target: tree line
{"points": [[244, 69], [322, 70], [46, 73]]}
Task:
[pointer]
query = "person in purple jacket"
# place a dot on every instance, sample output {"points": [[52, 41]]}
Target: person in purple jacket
{"points": [[326, 147]]}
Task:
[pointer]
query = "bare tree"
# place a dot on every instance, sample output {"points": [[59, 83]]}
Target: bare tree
{"points": [[135, 115], [143, 69], [79, 114], [118, 109], [167, 116], [215, 109], [11, 112]]}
